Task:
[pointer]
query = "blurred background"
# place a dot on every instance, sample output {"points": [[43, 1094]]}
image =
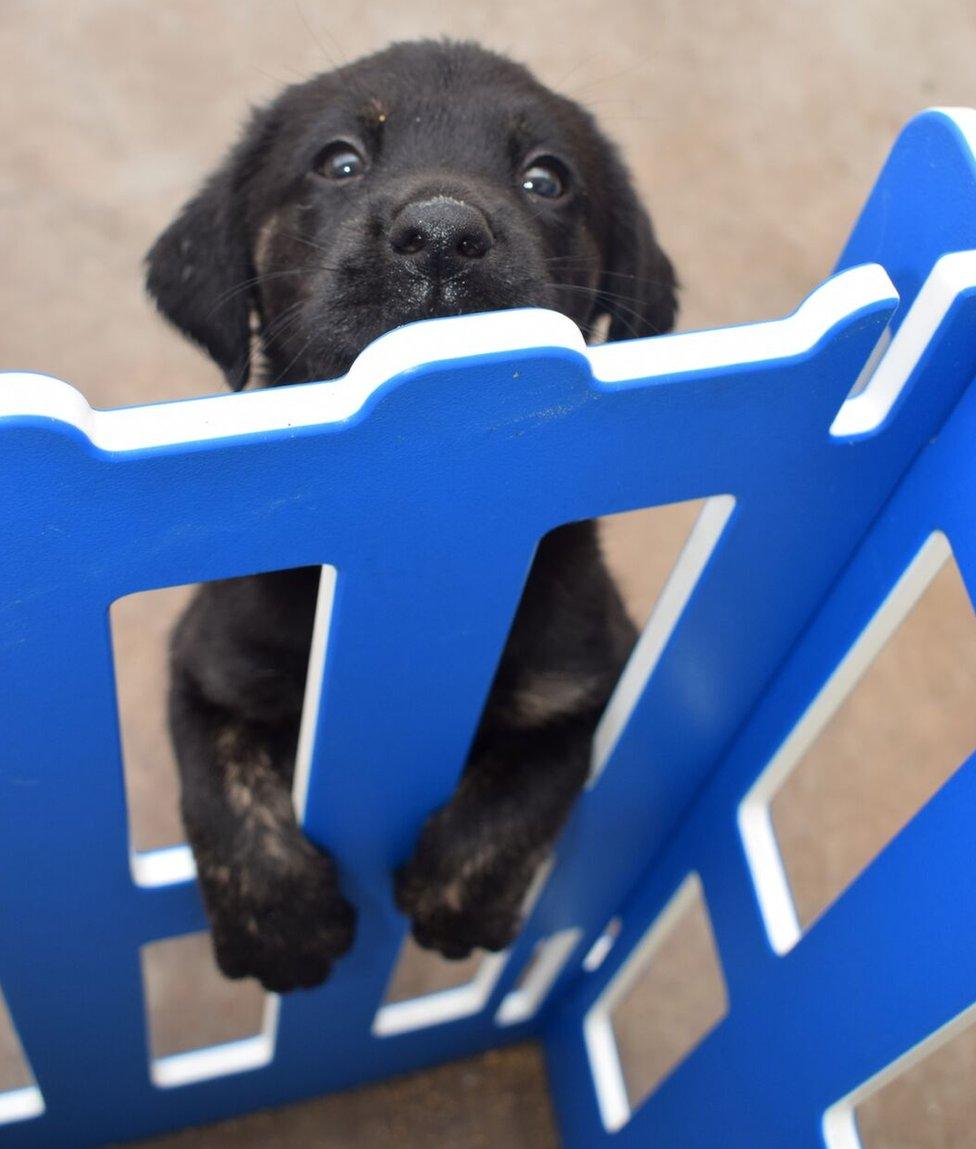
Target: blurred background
{"points": [[754, 131]]}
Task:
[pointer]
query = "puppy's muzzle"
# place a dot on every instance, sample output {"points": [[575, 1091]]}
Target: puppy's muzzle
{"points": [[441, 236]]}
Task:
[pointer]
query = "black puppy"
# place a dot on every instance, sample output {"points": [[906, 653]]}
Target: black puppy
{"points": [[429, 179]]}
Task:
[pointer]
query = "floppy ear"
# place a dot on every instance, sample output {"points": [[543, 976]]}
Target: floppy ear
{"points": [[200, 269], [638, 288]]}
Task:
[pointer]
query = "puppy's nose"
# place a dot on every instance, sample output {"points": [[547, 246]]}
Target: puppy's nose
{"points": [[440, 236]]}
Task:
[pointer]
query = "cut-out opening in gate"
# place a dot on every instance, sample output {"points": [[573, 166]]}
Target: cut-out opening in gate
{"points": [[141, 626], [538, 976], [202, 1025], [656, 556], [598, 953], [889, 728], [925, 1099], [661, 1004], [427, 989], [20, 1098]]}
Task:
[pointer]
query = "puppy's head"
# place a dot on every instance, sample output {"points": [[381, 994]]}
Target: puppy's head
{"points": [[429, 179]]}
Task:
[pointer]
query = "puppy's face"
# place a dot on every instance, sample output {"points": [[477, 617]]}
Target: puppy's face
{"points": [[427, 180]]}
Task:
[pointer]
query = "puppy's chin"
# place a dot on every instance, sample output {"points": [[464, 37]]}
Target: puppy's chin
{"points": [[438, 299], [336, 330]]}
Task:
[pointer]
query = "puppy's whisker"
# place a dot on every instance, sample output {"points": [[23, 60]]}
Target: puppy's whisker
{"points": [[615, 297], [614, 301], [608, 101], [570, 261], [277, 328], [632, 280], [274, 341], [583, 62], [246, 284], [602, 81], [540, 213], [341, 65], [616, 118], [294, 75], [329, 58], [291, 363], [310, 243]]}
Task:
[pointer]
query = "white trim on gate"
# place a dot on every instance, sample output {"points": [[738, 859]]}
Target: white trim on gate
{"points": [[313, 690], [212, 1061], [866, 410], [20, 1104], [598, 1036], [166, 866], [171, 865], [840, 1120], [287, 408], [442, 1005], [755, 820], [443, 340], [636, 359], [545, 965], [459, 1001], [667, 611]]}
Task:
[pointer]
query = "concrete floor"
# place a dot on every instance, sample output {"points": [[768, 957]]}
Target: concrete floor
{"points": [[754, 130]]}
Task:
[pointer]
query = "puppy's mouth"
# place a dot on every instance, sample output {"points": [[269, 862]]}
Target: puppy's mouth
{"points": [[461, 293], [370, 300]]}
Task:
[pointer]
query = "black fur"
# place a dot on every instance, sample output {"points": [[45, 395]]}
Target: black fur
{"points": [[433, 219]]}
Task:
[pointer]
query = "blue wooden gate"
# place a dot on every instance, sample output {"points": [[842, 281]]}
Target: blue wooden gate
{"points": [[422, 482]]}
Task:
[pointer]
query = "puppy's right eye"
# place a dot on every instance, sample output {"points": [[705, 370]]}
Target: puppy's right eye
{"points": [[339, 161]]}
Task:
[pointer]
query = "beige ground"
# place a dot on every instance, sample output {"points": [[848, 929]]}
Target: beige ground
{"points": [[754, 128]]}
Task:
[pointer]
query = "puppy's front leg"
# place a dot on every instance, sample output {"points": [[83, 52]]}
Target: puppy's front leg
{"points": [[466, 883], [477, 856], [272, 897]]}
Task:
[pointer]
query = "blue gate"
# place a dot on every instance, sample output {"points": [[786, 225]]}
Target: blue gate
{"points": [[448, 443]]}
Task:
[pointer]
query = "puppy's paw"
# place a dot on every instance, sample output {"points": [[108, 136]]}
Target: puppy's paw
{"points": [[280, 919], [461, 896]]}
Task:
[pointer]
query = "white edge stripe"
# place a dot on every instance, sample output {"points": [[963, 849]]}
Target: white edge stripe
{"points": [[965, 121], [439, 340], [282, 408], [220, 1060], [172, 865], [601, 1046], [313, 690], [167, 866], [545, 965], [20, 1104], [872, 399], [755, 823], [866, 411], [820, 312], [441, 1006], [840, 1120], [459, 1001], [693, 559]]}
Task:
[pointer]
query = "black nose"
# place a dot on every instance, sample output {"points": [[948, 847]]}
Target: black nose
{"points": [[440, 236]]}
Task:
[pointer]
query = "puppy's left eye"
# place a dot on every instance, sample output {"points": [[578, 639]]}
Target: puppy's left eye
{"points": [[545, 177], [340, 161]]}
